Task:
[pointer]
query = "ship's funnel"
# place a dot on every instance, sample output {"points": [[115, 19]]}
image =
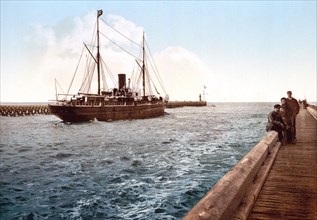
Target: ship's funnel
{"points": [[122, 81]]}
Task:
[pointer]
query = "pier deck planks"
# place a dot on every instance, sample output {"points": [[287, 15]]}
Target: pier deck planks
{"points": [[290, 190]]}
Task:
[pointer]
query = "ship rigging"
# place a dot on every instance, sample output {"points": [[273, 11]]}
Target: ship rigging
{"points": [[132, 100]]}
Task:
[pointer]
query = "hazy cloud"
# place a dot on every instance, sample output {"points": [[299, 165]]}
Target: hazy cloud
{"points": [[53, 52], [183, 73]]}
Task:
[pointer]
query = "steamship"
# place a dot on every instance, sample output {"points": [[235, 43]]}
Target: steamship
{"points": [[123, 101]]}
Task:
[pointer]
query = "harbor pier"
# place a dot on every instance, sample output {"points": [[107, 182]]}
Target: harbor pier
{"points": [[179, 104], [23, 110], [272, 181], [28, 109]]}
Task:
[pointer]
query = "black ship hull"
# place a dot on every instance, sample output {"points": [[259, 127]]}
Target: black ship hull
{"points": [[77, 113]]}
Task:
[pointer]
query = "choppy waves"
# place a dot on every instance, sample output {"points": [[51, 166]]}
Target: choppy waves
{"points": [[142, 169]]}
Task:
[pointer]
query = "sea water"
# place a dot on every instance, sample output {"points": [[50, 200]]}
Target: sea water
{"points": [[140, 169]]}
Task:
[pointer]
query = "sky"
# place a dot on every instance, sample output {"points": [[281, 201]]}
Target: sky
{"points": [[241, 51]]}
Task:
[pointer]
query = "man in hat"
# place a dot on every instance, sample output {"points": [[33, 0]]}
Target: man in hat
{"points": [[294, 106], [275, 122], [286, 115], [287, 132]]}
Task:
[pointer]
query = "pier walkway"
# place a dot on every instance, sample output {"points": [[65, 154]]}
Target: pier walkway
{"points": [[270, 182], [290, 190]]}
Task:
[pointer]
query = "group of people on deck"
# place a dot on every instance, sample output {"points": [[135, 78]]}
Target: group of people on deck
{"points": [[283, 119]]}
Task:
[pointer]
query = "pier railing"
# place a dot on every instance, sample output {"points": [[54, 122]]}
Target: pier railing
{"points": [[241, 183], [312, 110]]}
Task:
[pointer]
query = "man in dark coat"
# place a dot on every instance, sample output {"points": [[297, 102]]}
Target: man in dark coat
{"points": [[293, 104], [286, 115], [275, 122], [287, 132]]}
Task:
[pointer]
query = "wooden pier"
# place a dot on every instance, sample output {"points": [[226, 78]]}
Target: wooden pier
{"points": [[290, 190], [269, 182]]}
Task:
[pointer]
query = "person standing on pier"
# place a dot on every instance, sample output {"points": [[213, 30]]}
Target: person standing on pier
{"points": [[275, 122], [293, 104], [287, 131], [286, 114]]}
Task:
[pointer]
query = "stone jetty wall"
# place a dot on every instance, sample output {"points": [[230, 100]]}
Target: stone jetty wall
{"points": [[178, 104], [23, 110]]}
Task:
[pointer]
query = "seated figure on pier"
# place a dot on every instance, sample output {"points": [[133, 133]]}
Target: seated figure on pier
{"points": [[275, 122]]}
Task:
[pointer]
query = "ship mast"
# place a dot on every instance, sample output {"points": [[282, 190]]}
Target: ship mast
{"points": [[143, 67], [99, 13]]}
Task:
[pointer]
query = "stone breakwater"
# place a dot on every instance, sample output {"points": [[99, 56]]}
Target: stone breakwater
{"points": [[23, 110], [178, 104]]}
